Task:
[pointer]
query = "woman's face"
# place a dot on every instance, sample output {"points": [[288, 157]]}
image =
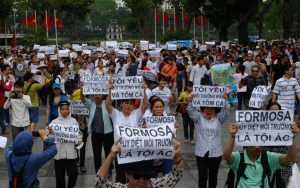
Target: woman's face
{"points": [[64, 110], [158, 109], [274, 107], [100, 64], [209, 112], [137, 182], [127, 107], [56, 91]]}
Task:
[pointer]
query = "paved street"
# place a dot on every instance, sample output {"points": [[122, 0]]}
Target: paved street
{"points": [[47, 179]]}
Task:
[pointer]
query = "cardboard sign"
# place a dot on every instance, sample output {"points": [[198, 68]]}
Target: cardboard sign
{"points": [[95, 84], [77, 47], [122, 53], [138, 144], [111, 44], [129, 87], [39, 79], [77, 107], [210, 96], [87, 52], [144, 45], [53, 57], [264, 128], [259, 96], [147, 74], [63, 53], [3, 141], [65, 133]]}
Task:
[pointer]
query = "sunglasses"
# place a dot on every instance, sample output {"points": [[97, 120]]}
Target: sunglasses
{"points": [[139, 176]]}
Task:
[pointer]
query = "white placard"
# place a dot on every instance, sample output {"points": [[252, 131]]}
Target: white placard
{"points": [[129, 87], [73, 55], [77, 47], [138, 144], [40, 56], [264, 128], [53, 57], [156, 121], [144, 45], [147, 74], [152, 46], [77, 107], [111, 44], [203, 48], [259, 96], [210, 96], [95, 84], [36, 46], [225, 44], [122, 53], [154, 54], [72, 75], [172, 47], [64, 133], [63, 53], [39, 79], [3, 141], [87, 52]]}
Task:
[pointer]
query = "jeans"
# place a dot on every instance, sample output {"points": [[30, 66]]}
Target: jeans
{"points": [[99, 139], [16, 130], [241, 100], [208, 166], [188, 124], [60, 167], [2, 124], [6, 116]]}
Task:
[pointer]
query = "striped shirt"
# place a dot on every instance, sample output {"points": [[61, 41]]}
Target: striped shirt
{"points": [[286, 90], [208, 131]]}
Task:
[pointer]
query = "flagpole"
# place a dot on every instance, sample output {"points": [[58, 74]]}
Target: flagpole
{"points": [[155, 22], [182, 20], [5, 33], [56, 41], [194, 28], [35, 20], [174, 19], [46, 15], [163, 21], [202, 29]]}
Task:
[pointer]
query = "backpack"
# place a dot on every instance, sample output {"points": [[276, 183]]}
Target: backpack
{"points": [[17, 177], [242, 166]]}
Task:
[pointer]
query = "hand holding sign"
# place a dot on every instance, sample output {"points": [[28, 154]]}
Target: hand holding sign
{"points": [[233, 128], [295, 129], [115, 149]]}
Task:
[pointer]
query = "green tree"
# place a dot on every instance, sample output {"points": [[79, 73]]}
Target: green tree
{"points": [[31, 37], [139, 11], [5, 10]]}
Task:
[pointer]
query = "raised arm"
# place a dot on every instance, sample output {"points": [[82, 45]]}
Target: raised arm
{"points": [[227, 153], [145, 99], [108, 101]]}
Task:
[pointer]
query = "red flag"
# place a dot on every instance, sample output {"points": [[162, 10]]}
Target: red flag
{"points": [[166, 18], [29, 22], [25, 21], [47, 23], [186, 19], [155, 17], [59, 23], [198, 21]]}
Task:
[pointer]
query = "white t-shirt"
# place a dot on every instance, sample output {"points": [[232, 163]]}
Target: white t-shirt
{"points": [[164, 94], [132, 120], [238, 77], [297, 70]]}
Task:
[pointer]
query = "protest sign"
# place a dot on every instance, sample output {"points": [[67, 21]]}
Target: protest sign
{"points": [[36, 46], [259, 96], [220, 73], [152, 46], [138, 144], [39, 79], [63, 53], [147, 74], [111, 44], [65, 133], [210, 96], [264, 128], [231, 90], [203, 48], [155, 121], [73, 55], [77, 107], [95, 84], [40, 56], [72, 75], [3, 141], [122, 53], [144, 45], [53, 57], [172, 47], [225, 44], [129, 87], [76, 47], [154, 54], [87, 52]]}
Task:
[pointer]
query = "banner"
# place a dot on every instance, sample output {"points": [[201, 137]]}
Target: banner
{"points": [[259, 96], [95, 84], [138, 144], [77, 107], [264, 128], [129, 87], [156, 121], [221, 73], [147, 74], [210, 96], [64, 133]]}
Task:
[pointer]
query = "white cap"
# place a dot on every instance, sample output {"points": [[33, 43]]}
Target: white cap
{"points": [[250, 52]]}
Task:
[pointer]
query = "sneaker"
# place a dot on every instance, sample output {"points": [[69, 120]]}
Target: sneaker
{"points": [[192, 142], [82, 169]]}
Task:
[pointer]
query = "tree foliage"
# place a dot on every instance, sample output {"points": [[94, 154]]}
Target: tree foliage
{"points": [[5, 9]]}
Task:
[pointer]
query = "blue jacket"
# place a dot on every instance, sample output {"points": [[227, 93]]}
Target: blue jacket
{"points": [[19, 152]]}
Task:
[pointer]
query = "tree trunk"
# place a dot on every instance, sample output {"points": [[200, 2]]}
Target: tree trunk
{"points": [[242, 30], [223, 33], [75, 28], [259, 26]]}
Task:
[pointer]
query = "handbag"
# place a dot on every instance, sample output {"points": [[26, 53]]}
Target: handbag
{"points": [[294, 180]]}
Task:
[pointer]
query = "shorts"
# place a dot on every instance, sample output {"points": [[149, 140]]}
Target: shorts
{"points": [[34, 114]]}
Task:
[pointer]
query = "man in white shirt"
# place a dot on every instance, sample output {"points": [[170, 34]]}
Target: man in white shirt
{"points": [[60, 79], [249, 63], [164, 93], [18, 104], [198, 71]]}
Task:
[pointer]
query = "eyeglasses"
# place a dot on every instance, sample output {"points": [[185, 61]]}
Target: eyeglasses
{"points": [[138, 176]]}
